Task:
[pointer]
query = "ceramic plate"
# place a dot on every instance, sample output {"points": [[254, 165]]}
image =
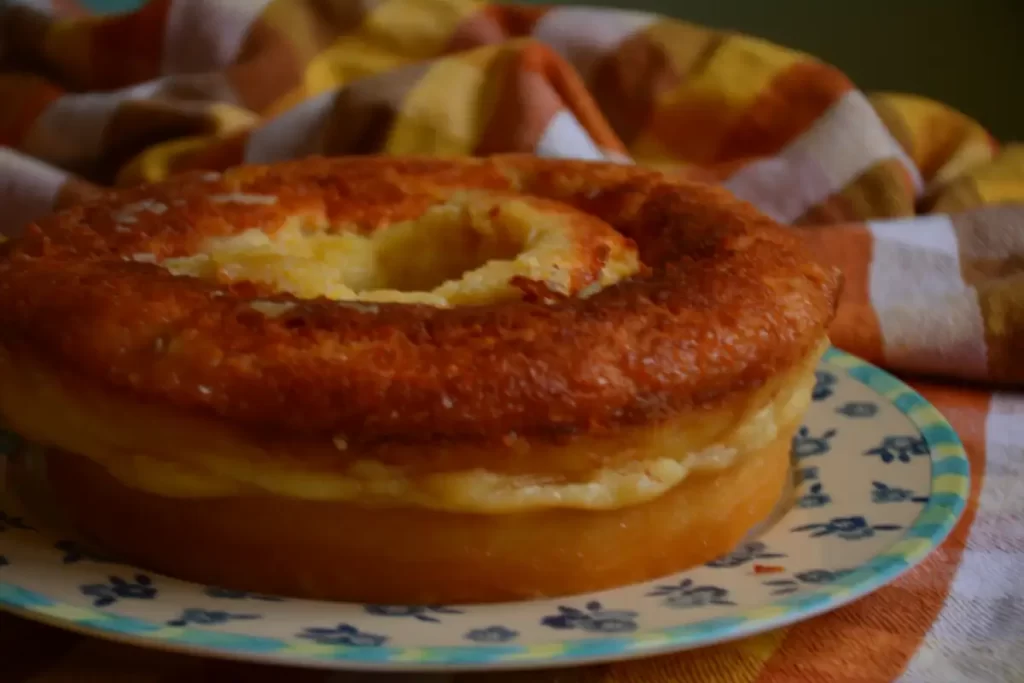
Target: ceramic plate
{"points": [[882, 478]]}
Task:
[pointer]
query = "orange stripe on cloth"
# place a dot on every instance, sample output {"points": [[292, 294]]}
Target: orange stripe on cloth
{"points": [[869, 640], [24, 98], [538, 84], [794, 100], [850, 247]]}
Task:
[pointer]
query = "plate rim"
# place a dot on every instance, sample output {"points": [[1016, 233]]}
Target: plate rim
{"points": [[948, 495]]}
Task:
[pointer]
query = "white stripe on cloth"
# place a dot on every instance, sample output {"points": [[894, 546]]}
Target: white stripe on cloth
{"points": [[70, 131], [979, 635], [565, 138], [583, 35], [930, 319], [206, 35], [844, 143], [293, 134], [28, 190]]}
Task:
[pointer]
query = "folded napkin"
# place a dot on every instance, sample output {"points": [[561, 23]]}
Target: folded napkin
{"points": [[916, 202]]}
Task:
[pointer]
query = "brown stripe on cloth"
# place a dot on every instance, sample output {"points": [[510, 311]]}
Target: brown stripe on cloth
{"points": [[990, 183], [850, 247], [628, 83], [128, 49], [960, 195], [493, 24], [818, 651], [527, 100], [364, 112], [793, 101], [283, 40], [139, 125], [885, 190], [991, 242]]}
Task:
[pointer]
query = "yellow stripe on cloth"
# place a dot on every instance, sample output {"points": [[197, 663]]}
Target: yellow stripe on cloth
{"points": [[717, 94], [941, 141], [161, 160], [394, 33], [447, 112], [1000, 181]]}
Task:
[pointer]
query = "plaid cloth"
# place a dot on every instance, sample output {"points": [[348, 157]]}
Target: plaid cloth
{"points": [[916, 202]]}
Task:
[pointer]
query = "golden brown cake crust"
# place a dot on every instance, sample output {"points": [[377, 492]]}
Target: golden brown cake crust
{"points": [[728, 299]]}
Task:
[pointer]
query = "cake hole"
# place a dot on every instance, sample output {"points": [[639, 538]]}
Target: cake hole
{"points": [[443, 245], [466, 251]]}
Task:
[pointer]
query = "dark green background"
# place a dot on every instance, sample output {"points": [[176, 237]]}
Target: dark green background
{"points": [[969, 54]]}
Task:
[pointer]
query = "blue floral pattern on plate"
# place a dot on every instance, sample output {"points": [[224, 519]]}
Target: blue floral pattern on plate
{"points": [[592, 618], [815, 497], [811, 576], [116, 588], [881, 479], [204, 617], [686, 594], [427, 613], [748, 552], [824, 385], [343, 634], [883, 493], [858, 409], [806, 445], [492, 634], [847, 528], [899, 449]]}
